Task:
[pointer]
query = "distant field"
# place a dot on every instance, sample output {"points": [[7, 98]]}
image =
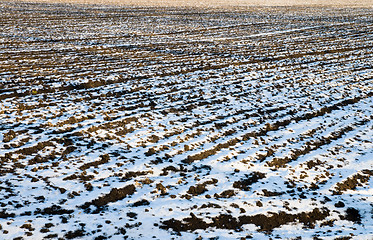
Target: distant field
{"points": [[121, 122], [223, 3]]}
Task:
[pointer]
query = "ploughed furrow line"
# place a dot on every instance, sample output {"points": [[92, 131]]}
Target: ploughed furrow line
{"points": [[313, 145], [352, 182], [321, 52], [274, 127], [150, 49], [113, 196], [229, 126], [261, 112], [264, 222], [62, 124], [114, 94], [44, 90], [79, 86], [134, 107], [288, 140], [239, 123], [91, 84], [326, 170]]}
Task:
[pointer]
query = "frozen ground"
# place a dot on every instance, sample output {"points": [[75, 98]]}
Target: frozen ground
{"points": [[180, 123], [218, 3]]}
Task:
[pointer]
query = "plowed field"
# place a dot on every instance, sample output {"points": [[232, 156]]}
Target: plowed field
{"points": [[185, 123]]}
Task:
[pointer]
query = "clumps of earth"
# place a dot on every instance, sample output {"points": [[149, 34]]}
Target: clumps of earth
{"points": [[185, 123]]}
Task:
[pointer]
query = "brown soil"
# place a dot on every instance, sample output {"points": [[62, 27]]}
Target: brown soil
{"points": [[114, 195], [353, 181], [54, 210], [143, 202], [245, 183], [353, 215], [9, 136], [193, 94], [265, 223], [4, 214], [104, 159], [200, 188]]}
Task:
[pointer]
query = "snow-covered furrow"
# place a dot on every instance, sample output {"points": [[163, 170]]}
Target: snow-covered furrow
{"points": [[117, 122]]}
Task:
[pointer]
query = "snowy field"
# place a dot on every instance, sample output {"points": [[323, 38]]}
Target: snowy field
{"points": [[185, 123], [216, 3]]}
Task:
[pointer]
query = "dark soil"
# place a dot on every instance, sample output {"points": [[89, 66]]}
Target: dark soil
{"points": [[353, 215], [197, 190], [115, 194], [75, 234], [244, 184], [4, 214], [163, 110], [143, 202], [353, 182], [339, 204], [104, 159], [225, 194], [265, 223], [200, 188], [54, 210], [130, 175], [9, 136], [271, 193]]}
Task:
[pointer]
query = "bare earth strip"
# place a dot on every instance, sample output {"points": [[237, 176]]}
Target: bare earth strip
{"points": [[123, 122]]}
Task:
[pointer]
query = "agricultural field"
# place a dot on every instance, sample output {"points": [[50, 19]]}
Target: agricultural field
{"points": [[121, 122]]}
